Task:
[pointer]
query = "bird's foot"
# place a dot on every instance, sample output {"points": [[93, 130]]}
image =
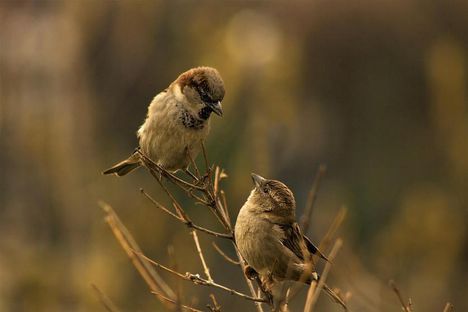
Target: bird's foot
{"points": [[250, 272], [200, 182]]}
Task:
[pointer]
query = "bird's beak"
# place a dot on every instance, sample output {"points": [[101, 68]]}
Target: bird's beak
{"points": [[258, 180], [216, 107]]}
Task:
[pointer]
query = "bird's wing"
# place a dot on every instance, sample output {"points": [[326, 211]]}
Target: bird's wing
{"points": [[298, 243], [293, 240], [313, 249]]}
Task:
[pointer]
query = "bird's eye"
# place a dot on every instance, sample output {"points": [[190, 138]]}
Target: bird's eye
{"points": [[203, 94], [265, 190]]}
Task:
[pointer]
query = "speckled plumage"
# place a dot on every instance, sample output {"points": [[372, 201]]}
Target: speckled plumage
{"points": [[269, 238], [167, 135], [177, 121]]}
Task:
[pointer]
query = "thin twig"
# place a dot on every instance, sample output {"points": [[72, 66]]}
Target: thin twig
{"points": [[321, 283], [310, 295], [216, 204], [229, 259], [249, 282], [212, 195], [160, 206], [188, 223], [205, 157], [128, 244], [311, 198], [216, 180], [105, 301], [205, 230], [175, 302], [448, 307], [195, 167], [200, 254], [337, 221], [224, 205], [216, 307], [152, 166], [178, 284], [394, 287], [196, 279]]}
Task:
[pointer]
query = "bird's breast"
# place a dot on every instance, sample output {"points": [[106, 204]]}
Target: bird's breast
{"points": [[255, 241], [165, 139]]}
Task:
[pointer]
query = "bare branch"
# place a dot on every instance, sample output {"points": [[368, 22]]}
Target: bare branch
{"points": [[229, 259], [311, 198], [216, 180], [200, 254], [337, 221], [217, 204], [225, 206], [105, 301], [249, 282], [394, 287], [339, 218], [152, 166], [202, 229], [128, 244], [188, 223], [321, 283], [216, 307], [310, 295], [196, 279], [448, 307], [160, 296], [194, 165], [205, 157], [160, 206]]}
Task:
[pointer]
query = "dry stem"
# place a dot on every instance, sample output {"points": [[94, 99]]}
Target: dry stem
{"points": [[105, 301], [228, 259], [182, 219], [321, 283], [404, 306], [197, 280], [200, 254], [311, 198], [128, 244], [448, 307], [160, 296]]}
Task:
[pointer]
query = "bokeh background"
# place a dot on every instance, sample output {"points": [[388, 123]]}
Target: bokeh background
{"points": [[376, 90]]}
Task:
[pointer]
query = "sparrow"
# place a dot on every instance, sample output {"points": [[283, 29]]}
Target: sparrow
{"points": [[271, 242], [268, 236], [178, 119]]}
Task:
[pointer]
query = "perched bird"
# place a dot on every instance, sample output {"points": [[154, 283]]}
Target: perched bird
{"points": [[177, 121], [269, 238]]}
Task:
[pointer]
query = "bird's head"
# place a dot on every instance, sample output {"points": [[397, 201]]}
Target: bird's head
{"points": [[272, 196], [203, 88]]}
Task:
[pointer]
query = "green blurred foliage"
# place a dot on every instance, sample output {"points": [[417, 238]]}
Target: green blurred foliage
{"points": [[376, 90]]}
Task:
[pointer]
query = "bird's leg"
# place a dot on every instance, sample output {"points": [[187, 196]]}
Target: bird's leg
{"points": [[265, 283], [197, 179], [251, 274], [194, 177]]}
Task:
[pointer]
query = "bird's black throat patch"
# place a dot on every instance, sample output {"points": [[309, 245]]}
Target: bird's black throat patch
{"points": [[192, 122], [205, 113]]}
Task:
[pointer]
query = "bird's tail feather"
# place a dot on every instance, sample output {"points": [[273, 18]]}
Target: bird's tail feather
{"points": [[125, 166]]}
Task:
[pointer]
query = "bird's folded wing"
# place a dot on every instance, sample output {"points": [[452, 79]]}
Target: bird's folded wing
{"points": [[292, 239], [298, 243]]}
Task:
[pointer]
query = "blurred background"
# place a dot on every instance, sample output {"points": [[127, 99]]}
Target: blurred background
{"points": [[377, 91]]}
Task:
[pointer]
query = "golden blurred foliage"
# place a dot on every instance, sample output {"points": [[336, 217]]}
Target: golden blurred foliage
{"points": [[376, 90]]}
